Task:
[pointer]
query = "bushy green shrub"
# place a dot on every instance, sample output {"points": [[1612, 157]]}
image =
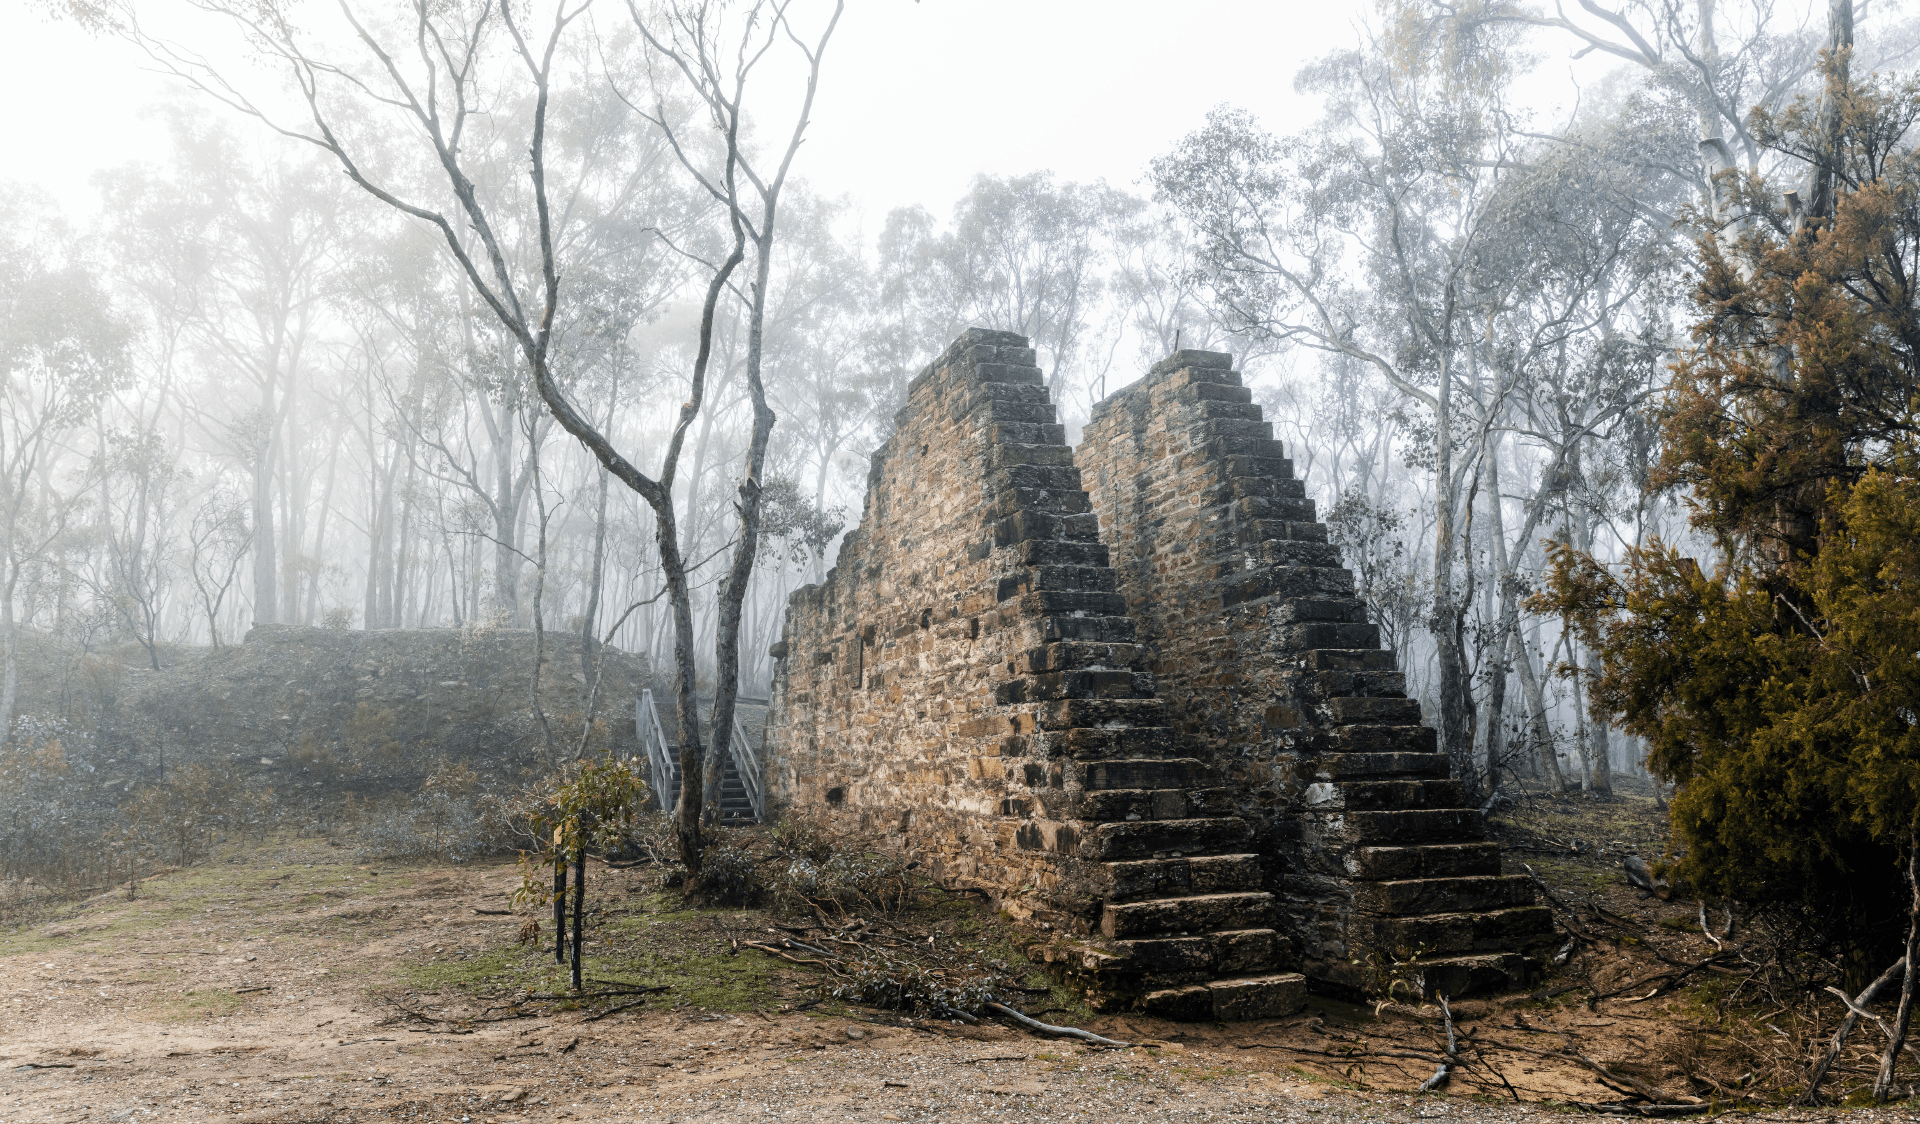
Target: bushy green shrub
{"points": [[728, 873]]}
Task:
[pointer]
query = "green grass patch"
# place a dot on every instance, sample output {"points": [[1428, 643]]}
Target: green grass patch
{"points": [[200, 1004], [506, 966]]}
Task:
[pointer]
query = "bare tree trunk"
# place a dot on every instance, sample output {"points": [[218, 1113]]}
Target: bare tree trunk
{"points": [[1600, 749], [1455, 688], [589, 644], [312, 613], [1883, 1083], [1498, 666], [1823, 173], [539, 622], [1540, 732], [506, 525], [579, 904], [733, 587], [10, 670], [266, 564], [559, 904]]}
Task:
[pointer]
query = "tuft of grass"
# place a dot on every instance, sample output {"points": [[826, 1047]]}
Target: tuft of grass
{"points": [[507, 965], [200, 1004]]}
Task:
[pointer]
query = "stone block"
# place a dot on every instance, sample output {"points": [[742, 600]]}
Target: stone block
{"points": [[1192, 1003], [1432, 860], [1473, 893], [1197, 913], [1165, 838], [1262, 997]]}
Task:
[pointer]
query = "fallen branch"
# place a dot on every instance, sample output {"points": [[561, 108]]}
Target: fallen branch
{"points": [[1642, 1109], [1855, 1008], [599, 994], [1631, 1086], [1049, 1028], [1706, 926], [1340, 1055], [614, 1010], [1441, 1074], [772, 951]]}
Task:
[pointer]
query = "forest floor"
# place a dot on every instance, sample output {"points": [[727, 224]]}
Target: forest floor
{"points": [[282, 982]]}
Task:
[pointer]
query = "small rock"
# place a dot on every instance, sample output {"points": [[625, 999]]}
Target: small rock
{"points": [[856, 1033]]}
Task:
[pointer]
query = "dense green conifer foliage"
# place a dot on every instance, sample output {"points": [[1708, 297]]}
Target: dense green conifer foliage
{"points": [[1779, 686]]}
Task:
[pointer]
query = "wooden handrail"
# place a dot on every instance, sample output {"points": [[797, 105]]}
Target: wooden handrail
{"points": [[666, 771], [654, 740], [748, 766]]}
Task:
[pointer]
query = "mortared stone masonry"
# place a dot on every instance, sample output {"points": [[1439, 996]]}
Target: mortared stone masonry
{"points": [[1162, 733], [1272, 674]]}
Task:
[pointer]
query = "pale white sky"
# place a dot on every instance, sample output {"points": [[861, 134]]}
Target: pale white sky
{"points": [[917, 98]]}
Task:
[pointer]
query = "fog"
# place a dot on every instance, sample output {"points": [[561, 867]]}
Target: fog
{"points": [[273, 360]]}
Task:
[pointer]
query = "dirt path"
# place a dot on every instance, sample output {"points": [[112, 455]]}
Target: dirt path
{"points": [[289, 984]]}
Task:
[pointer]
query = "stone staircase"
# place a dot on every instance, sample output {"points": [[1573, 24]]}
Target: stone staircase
{"points": [[1276, 678], [1385, 824], [1185, 926]]}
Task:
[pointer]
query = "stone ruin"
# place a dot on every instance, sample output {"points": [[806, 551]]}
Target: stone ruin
{"points": [[1127, 691]]}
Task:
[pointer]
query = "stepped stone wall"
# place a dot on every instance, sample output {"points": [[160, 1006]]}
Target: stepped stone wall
{"points": [[1163, 732], [1273, 674]]}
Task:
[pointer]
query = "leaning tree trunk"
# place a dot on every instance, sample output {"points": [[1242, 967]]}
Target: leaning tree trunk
{"points": [[686, 812], [1539, 731], [733, 588], [1883, 1083]]}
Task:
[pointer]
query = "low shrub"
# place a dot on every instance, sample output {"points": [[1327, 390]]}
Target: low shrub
{"points": [[728, 873], [867, 882]]}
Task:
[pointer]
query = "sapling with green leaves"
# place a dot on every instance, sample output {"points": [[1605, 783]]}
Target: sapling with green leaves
{"points": [[587, 813]]}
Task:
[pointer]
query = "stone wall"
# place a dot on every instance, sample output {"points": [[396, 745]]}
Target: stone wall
{"points": [[967, 677], [966, 636], [329, 710], [1273, 675], [1165, 733]]}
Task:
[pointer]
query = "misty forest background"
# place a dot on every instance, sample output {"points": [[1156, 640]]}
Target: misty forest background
{"points": [[243, 391]]}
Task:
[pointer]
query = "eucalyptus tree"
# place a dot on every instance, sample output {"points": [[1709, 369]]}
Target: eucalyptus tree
{"points": [[1506, 282], [241, 254], [63, 351], [439, 73], [715, 56], [1364, 238]]}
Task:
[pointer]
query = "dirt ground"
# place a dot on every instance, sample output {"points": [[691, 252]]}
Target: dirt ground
{"points": [[285, 983]]}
